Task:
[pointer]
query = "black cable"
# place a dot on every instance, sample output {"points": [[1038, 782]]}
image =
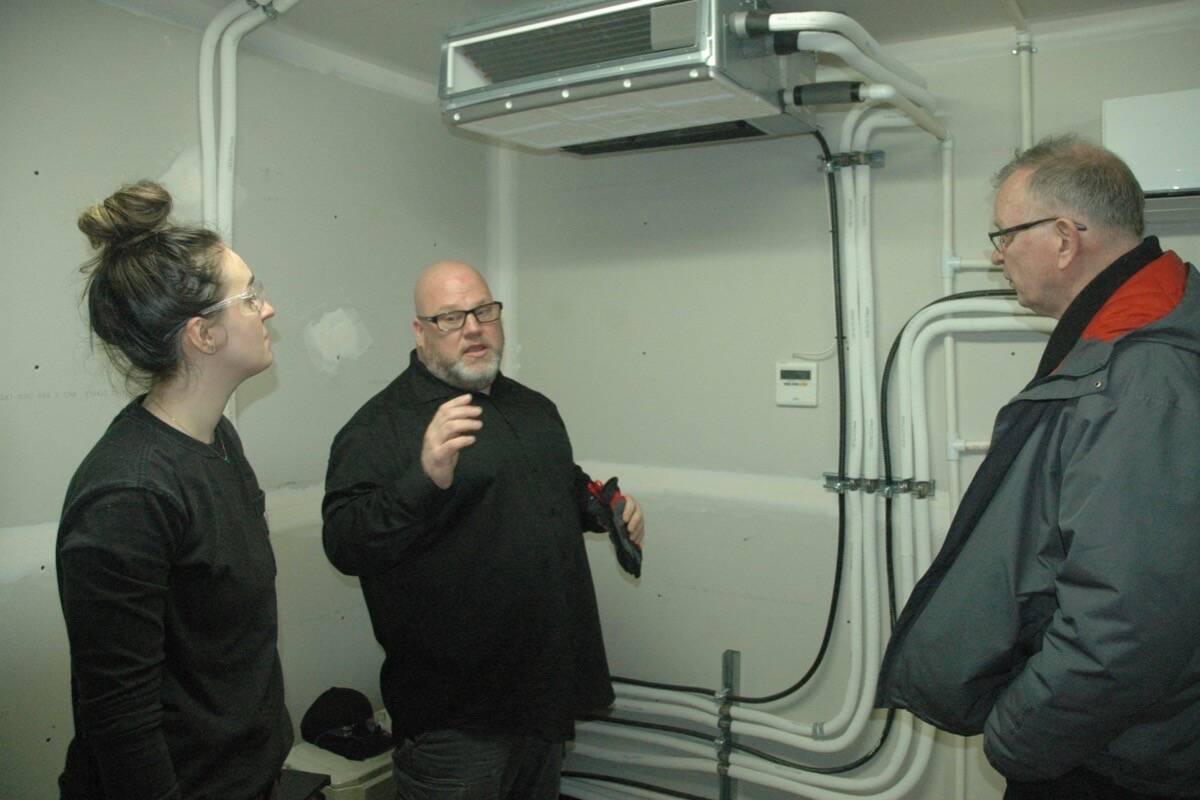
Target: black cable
{"points": [[891, 579], [594, 776], [839, 338]]}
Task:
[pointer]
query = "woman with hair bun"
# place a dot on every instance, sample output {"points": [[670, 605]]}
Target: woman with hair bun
{"points": [[165, 571]]}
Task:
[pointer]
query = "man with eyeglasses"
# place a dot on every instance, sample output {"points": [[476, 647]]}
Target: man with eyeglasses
{"points": [[1060, 617], [454, 496]]}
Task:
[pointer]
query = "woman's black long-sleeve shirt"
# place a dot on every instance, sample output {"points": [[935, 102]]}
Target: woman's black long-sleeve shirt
{"points": [[167, 583], [480, 594]]}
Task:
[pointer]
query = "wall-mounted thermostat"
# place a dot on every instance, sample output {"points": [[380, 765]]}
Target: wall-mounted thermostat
{"points": [[795, 383]]}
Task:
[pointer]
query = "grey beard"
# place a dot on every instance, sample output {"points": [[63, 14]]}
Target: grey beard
{"points": [[459, 377]]}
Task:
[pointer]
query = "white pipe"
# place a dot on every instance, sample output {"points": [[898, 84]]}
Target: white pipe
{"points": [[960, 767], [855, 577], [948, 232], [973, 446], [585, 789], [688, 745], [818, 41], [1018, 16], [921, 343], [912, 514], [205, 96], [699, 702], [847, 725], [870, 783], [847, 28], [676, 763], [227, 143], [226, 146], [665, 710], [956, 264], [1025, 57], [919, 349], [858, 784], [950, 348], [859, 330], [832, 787], [896, 791], [917, 361], [865, 784], [904, 463]]}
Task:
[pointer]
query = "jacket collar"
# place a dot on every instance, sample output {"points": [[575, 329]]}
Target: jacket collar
{"points": [[1172, 319], [1088, 303]]}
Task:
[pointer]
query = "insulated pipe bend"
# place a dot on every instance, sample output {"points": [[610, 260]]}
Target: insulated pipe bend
{"points": [[206, 101], [228, 123], [758, 23], [834, 44]]}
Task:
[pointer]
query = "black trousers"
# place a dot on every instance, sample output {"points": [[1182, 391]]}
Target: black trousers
{"points": [[455, 765], [1081, 784]]}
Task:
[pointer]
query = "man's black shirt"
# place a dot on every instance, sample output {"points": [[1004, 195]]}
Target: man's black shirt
{"points": [[480, 594]]}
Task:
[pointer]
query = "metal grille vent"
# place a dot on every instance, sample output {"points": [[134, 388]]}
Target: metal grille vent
{"points": [[618, 36], [702, 134]]}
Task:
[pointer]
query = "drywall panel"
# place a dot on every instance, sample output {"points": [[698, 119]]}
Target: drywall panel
{"points": [[343, 195], [658, 289]]}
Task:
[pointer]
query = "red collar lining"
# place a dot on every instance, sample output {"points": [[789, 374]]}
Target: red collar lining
{"points": [[1146, 297]]}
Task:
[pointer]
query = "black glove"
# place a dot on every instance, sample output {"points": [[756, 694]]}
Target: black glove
{"points": [[607, 504]]}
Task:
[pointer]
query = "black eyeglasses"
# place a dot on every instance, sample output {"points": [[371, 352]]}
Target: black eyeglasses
{"points": [[453, 320], [1002, 238]]}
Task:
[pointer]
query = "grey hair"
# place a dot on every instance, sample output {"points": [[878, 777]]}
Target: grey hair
{"points": [[1073, 175]]}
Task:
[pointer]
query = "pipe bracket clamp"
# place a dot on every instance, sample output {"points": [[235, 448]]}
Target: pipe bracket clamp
{"points": [[918, 489], [856, 158], [840, 483]]}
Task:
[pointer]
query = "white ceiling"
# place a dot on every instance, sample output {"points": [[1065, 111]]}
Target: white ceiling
{"points": [[406, 35]]}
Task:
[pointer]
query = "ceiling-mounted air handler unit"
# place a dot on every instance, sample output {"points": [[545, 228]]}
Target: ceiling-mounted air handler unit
{"points": [[1158, 135], [593, 78]]}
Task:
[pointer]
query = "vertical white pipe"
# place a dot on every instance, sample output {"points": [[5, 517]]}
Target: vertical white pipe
{"points": [[954, 466], [205, 99], [855, 576], [231, 37], [852, 718], [1025, 57], [227, 140], [227, 143], [954, 473], [502, 248]]}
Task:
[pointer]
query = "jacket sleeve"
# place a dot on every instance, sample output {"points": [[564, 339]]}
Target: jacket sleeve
{"points": [[1118, 641], [378, 500], [114, 563]]}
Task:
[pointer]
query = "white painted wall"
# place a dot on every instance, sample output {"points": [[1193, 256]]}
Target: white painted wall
{"points": [[343, 194], [658, 290], [655, 292]]}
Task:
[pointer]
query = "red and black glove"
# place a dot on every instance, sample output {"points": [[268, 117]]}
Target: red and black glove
{"points": [[607, 504]]}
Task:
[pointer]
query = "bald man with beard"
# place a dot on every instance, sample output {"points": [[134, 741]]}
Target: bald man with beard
{"points": [[454, 496]]}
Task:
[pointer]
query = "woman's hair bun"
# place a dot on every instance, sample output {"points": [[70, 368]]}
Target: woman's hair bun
{"points": [[131, 214]]}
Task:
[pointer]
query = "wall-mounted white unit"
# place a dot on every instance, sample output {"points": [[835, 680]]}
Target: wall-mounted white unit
{"points": [[601, 77], [1158, 135]]}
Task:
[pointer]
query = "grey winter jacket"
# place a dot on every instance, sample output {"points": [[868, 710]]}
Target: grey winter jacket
{"points": [[1065, 623]]}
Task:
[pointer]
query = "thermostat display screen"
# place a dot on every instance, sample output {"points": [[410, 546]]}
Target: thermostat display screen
{"points": [[795, 374]]}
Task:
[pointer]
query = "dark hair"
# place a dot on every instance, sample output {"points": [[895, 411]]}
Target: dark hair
{"points": [[1073, 175], [148, 278]]}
